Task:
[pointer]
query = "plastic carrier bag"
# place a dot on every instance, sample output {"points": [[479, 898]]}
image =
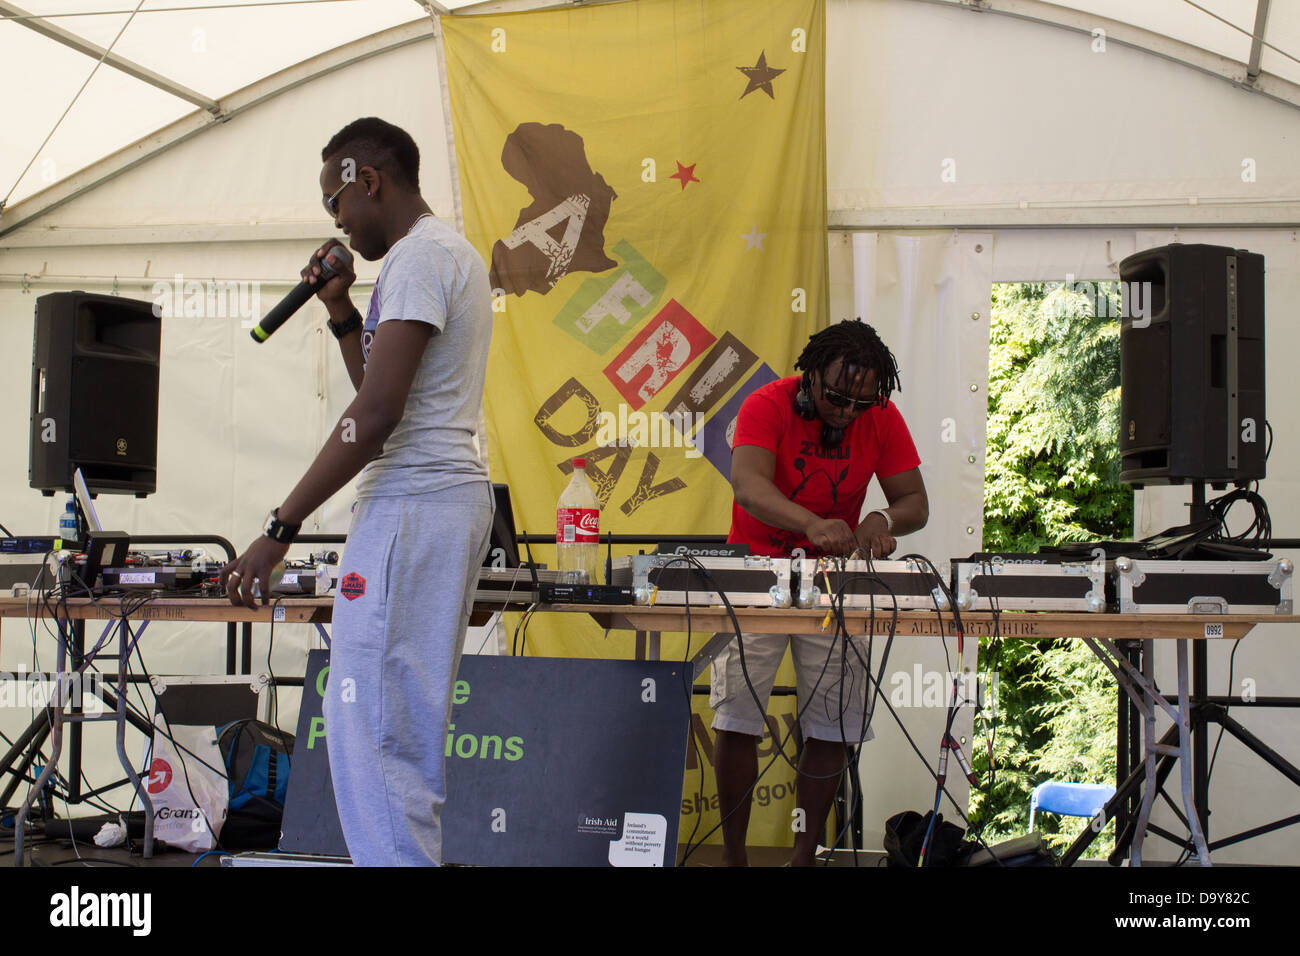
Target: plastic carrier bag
{"points": [[187, 786]]}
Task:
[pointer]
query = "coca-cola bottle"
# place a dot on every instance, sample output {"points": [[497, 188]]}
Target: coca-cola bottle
{"points": [[577, 528]]}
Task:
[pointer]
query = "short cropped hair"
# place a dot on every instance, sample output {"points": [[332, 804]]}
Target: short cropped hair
{"points": [[372, 142]]}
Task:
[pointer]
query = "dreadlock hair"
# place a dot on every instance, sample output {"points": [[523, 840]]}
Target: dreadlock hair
{"points": [[860, 348]]}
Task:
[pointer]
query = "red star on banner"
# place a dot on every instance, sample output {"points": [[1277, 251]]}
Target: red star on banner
{"points": [[685, 173]]}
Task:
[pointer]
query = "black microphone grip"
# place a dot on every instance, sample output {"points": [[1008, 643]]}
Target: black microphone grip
{"points": [[299, 295]]}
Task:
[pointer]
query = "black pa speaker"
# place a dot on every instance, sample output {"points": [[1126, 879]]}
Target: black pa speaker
{"points": [[94, 394], [1192, 366]]}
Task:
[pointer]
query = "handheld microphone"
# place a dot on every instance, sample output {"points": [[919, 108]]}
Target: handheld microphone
{"points": [[303, 291]]}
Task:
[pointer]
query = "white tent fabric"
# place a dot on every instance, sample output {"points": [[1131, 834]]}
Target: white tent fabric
{"points": [[204, 55], [921, 294], [207, 52], [928, 296], [941, 117]]}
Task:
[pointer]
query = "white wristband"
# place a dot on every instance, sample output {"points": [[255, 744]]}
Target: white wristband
{"points": [[889, 522]]}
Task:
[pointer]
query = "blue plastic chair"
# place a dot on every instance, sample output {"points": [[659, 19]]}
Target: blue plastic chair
{"points": [[1068, 799]]}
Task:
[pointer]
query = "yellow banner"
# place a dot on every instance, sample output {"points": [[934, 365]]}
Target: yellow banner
{"points": [[647, 182]]}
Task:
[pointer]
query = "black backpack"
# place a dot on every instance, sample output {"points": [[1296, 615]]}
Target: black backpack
{"points": [[904, 833], [257, 758]]}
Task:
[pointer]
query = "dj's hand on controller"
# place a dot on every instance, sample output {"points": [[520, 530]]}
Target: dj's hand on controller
{"points": [[831, 536], [873, 536], [248, 577]]}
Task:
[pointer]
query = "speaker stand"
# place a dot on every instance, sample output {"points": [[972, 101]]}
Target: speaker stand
{"points": [[1199, 710]]}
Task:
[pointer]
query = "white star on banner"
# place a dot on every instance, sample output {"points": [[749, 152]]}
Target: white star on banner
{"points": [[754, 240]]}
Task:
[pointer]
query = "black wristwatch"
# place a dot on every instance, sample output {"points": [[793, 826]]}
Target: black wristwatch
{"points": [[277, 530], [347, 326]]}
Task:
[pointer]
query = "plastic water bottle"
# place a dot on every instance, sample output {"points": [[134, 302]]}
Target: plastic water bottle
{"points": [[68, 523], [577, 528]]}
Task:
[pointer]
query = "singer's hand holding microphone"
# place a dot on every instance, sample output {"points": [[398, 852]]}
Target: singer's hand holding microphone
{"points": [[329, 274]]}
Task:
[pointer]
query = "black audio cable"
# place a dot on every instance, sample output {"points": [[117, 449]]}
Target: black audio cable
{"points": [[1260, 532], [878, 696], [868, 708], [779, 745]]}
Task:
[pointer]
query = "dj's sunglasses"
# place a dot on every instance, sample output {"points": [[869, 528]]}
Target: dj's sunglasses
{"points": [[840, 400]]}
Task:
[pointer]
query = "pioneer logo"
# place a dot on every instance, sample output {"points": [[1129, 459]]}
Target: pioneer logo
{"points": [[77, 909], [694, 551]]}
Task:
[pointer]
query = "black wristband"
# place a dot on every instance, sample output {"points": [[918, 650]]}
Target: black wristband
{"points": [[347, 326], [277, 530]]}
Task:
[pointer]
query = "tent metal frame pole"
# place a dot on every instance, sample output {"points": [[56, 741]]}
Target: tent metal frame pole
{"points": [[187, 127], [1257, 42], [46, 29], [1136, 38]]}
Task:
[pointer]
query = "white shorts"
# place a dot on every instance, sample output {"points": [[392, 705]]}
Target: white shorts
{"points": [[830, 683]]}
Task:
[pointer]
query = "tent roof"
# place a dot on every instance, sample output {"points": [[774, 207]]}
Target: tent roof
{"points": [[184, 65], [166, 60]]}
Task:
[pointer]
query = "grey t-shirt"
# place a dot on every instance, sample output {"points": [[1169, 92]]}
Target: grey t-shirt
{"points": [[433, 275]]}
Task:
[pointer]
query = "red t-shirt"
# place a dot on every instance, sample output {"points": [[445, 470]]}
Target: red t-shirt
{"points": [[830, 482]]}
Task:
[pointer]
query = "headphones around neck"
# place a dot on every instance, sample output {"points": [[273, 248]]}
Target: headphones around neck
{"points": [[806, 408]]}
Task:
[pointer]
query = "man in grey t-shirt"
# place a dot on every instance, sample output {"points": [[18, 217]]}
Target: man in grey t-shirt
{"points": [[429, 272], [424, 506]]}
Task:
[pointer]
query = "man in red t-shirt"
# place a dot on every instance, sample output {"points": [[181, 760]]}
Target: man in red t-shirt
{"points": [[804, 451]]}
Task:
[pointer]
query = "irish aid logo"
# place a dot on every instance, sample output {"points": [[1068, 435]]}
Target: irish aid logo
{"points": [[352, 586], [160, 775]]}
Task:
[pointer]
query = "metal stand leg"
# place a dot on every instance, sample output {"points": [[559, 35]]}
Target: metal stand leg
{"points": [[1141, 688], [711, 649], [63, 700], [24, 751], [1123, 759], [1185, 757], [1149, 749], [125, 647], [56, 731]]}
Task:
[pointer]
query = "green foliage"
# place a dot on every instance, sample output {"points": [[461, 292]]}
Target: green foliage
{"points": [[1052, 476], [1053, 426]]}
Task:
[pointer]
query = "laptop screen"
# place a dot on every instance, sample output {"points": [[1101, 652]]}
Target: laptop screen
{"points": [[502, 552]]}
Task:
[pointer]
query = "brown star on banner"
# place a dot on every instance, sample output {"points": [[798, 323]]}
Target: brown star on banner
{"points": [[685, 173], [760, 76]]}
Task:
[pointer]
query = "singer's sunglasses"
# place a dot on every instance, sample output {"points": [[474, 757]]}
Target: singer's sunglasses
{"points": [[840, 400], [332, 203]]}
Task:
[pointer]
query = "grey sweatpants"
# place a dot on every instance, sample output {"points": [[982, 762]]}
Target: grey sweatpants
{"points": [[405, 593]]}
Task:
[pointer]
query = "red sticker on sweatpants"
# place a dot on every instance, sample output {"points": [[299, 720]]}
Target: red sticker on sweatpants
{"points": [[352, 586]]}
